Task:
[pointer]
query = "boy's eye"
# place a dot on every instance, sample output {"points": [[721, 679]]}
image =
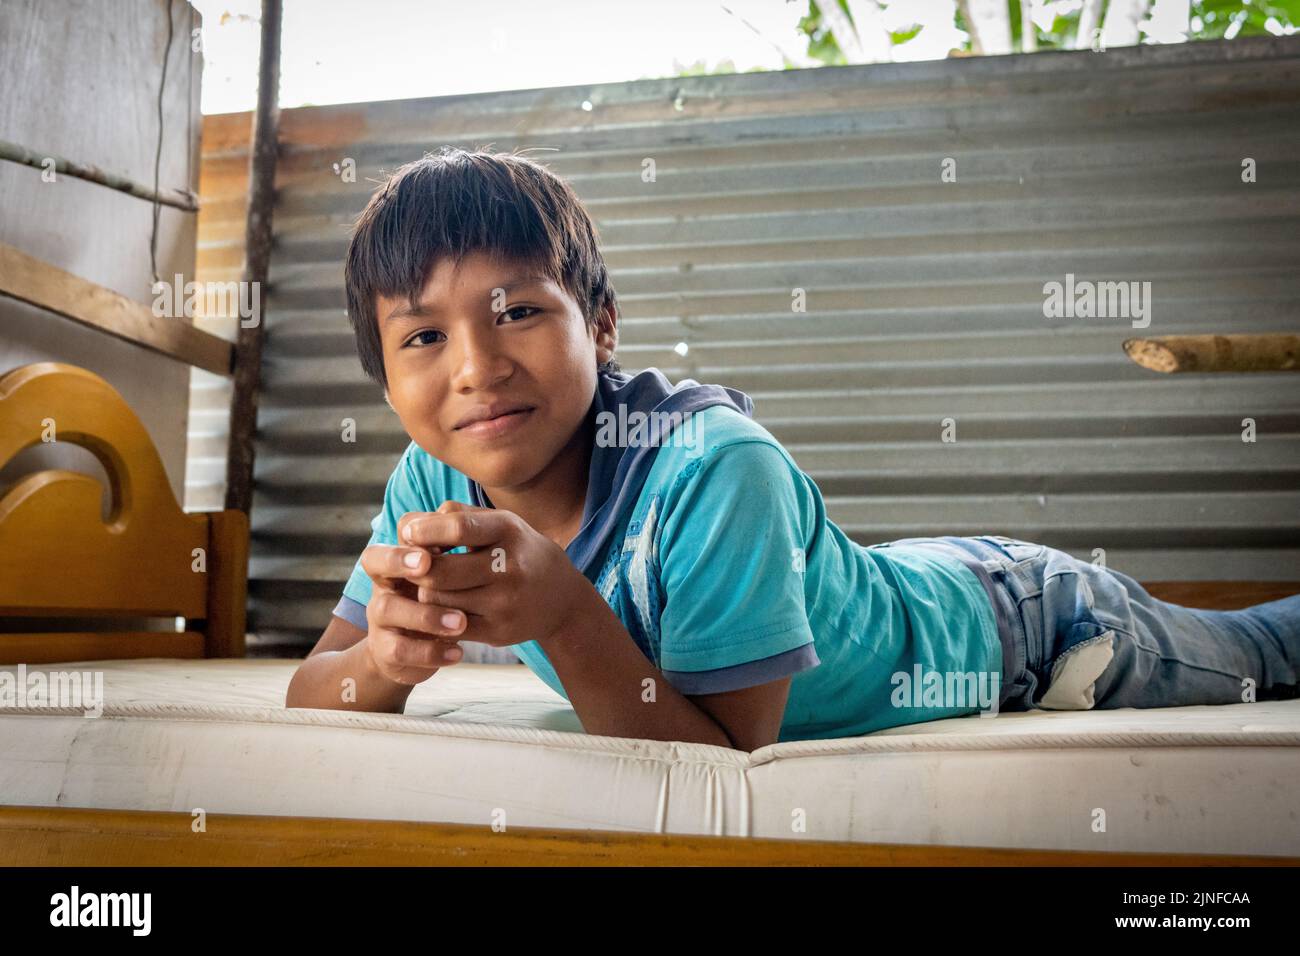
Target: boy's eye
{"points": [[518, 313], [417, 335], [521, 308]]}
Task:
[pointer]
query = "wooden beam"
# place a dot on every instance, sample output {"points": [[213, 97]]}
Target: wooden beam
{"points": [[48, 287], [57, 836], [1217, 353], [1221, 595], [227, 600], [257, 262], [60, 647]]}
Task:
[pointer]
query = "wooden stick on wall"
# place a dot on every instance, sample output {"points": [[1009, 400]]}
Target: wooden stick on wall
{"points": [[181, 199], [1217, 353], [257, 260]]}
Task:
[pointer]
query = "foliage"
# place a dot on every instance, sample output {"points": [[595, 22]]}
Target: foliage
{"points": [[821, 43], [1210, 20], [1216, 16], [702, 68]]}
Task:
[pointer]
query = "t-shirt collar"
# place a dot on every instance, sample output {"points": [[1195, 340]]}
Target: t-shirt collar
{"points": [[618, 470]]}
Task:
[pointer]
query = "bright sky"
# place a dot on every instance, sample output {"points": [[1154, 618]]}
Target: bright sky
{"points": [[342, 51], [345, 51]]}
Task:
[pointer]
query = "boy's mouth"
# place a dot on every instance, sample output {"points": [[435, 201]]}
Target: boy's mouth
{"points": [[491, 421], [491, 411]]}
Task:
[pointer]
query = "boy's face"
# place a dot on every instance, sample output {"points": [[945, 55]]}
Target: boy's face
{"points": [[490, 333]]}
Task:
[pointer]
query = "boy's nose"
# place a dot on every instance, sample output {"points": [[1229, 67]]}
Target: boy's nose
{"points": [[480, 364]]}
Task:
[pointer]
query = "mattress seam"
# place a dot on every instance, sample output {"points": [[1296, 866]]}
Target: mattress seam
{"points": [[448, 729], [894, 743]]}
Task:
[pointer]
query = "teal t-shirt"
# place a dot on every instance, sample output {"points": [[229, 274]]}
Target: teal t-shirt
{"points": [[727, 574]]}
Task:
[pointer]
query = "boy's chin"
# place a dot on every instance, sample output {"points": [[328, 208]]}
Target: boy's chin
{"points": [[497, 471]]}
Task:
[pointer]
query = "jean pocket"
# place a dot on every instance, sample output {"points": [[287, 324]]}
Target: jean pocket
{"points": [[1073, 673], [1018, 551]]}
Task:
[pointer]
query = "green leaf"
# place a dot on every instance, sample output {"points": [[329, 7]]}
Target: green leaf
{"points": [[902, 36]]}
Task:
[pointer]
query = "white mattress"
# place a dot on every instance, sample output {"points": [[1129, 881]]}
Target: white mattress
{"points": [[490, 743]]}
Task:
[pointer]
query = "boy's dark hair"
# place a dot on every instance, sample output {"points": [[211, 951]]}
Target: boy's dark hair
{"points": [[454, 202]]}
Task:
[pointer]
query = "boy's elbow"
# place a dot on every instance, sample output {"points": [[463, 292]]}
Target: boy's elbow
{"points": [[291, 693]]}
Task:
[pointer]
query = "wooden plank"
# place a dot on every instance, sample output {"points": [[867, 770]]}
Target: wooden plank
{"points": [[44, 836], [48, 287], [227, 583], [1221, 595], [58, 647]]}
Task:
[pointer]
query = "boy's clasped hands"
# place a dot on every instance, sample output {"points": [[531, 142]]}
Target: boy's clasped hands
{"points": [[513, 585]]}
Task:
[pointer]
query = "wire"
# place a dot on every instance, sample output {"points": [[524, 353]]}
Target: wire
{"points": [[189, 105]]}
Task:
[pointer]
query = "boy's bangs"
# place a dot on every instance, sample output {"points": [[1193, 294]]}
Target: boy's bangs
{"points": [[437, 214]]}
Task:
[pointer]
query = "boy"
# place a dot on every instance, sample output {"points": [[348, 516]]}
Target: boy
{"points": [[655, 555]]}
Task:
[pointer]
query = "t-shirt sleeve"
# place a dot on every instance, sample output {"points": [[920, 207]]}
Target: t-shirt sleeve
{"points": [[731, 566], [404, 492]]}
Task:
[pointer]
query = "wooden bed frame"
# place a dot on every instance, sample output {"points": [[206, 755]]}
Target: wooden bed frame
{"points": [[58, 558], [152, 559]]}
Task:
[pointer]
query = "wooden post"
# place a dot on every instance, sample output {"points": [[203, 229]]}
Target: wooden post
{"points": [[257, 259], [1217, 353]]}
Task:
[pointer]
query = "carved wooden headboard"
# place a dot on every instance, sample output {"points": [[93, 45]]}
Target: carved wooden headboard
{"points": [[59, 558]]}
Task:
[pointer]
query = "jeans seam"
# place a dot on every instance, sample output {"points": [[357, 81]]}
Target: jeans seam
{"points": [[1189, 664], [1025, 629], [1003, 580]]}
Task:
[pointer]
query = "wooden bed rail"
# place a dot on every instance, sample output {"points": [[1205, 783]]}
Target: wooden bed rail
{"points": [[69, 836]]}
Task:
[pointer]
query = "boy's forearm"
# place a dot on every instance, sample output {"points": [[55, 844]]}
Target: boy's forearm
{"points": [[319, 682], [604, 674]]}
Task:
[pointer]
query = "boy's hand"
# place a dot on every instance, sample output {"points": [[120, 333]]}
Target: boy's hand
{"points": [[406, 640], [516, 584]]}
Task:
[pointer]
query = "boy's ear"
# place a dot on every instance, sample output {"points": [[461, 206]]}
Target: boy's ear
{"points": [[606, 335]]}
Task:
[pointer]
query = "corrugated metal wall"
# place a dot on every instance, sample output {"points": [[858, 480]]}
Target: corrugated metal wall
{"points": [[924, 298]]}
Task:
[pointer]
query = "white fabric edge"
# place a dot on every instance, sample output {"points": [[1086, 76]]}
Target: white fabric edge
{"points": [[681, 751]]}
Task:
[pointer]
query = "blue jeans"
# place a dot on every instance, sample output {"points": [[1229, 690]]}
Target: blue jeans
{"points": [[1083, 635]]}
